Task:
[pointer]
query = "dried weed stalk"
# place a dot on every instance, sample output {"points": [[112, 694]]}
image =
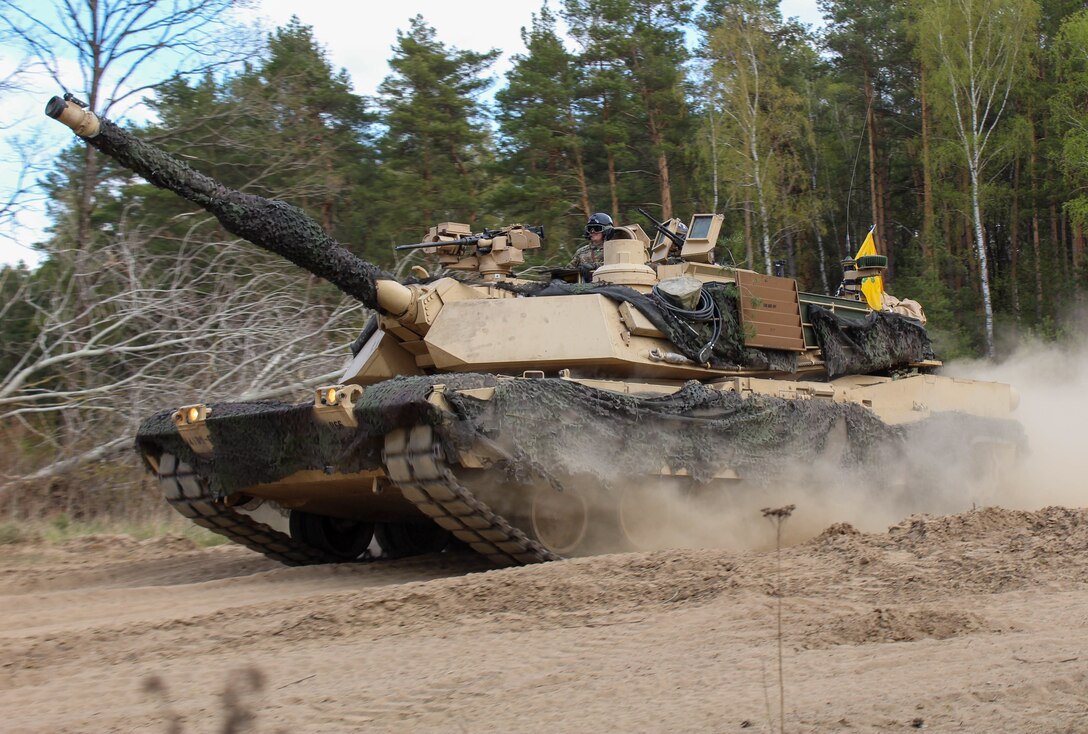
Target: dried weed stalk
{"points": [[778, 516]]}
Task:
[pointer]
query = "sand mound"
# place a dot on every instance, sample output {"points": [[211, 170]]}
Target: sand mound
{"points": [[971, 622]]}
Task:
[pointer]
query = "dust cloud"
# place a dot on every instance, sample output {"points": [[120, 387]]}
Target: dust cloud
{"points": [[1053, 385], [944, 470]]}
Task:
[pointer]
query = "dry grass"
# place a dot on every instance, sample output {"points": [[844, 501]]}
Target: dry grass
{"points": [[60, 529], [116, 498]]}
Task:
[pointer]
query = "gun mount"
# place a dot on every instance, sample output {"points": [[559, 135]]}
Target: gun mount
{"points": [[492, 253], [470, 401], [672, 231]]}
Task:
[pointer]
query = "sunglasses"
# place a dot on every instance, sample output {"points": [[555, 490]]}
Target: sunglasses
{"points": [[594, 228]]}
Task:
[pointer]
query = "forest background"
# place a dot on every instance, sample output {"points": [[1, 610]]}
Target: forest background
{"points": [[958, 128]]}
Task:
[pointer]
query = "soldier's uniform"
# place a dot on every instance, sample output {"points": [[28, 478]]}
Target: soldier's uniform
{"points": [[588, 256]]}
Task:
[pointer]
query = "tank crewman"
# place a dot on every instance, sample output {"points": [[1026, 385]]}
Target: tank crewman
{"points": [[589, 257]]}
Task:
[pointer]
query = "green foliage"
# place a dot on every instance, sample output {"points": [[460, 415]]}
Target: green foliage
{"points": [[434, 150], [16, 533], [541, 175], [757, 126], [1070, 59], [288, 127], [636, 119], [19, 317], [61, 529]]}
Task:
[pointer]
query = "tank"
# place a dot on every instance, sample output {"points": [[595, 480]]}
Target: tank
{"points": [[532, 419]]}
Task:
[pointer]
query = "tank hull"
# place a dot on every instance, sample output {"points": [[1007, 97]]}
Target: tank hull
{"points": [[524, 469]]}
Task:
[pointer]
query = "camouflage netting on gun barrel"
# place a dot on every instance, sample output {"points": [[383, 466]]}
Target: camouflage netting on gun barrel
{"points": [[273, 225], [688, 336], [883, 341], [546, 429]]}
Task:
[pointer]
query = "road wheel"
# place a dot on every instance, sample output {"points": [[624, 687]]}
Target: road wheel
{"points": [[647, 517], [560, 520]]}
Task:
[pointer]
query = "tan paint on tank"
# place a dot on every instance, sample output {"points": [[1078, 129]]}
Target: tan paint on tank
{"points": [[544, 333]]}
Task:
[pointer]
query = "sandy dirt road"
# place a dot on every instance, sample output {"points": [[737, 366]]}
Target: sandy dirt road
{"points": [[975, 622]]}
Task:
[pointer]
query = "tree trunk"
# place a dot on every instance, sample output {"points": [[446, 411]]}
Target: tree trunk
{"points": [[1058, 238], [749, 254], [613, 184], [765, 229], [657, 140], [1078, 249], [713, 160], [874, 185], [820, 262], [1036, 245], [666, 190], [983, 264], [579, 167], [764, 219], [791, 255], [885, 237], [1014, 241], [927, 180], [1035, 237]]}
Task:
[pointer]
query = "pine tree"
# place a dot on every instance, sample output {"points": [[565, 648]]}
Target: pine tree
{"points": [[435, 146], [1070, 59], [637, 117], [542, 176]]}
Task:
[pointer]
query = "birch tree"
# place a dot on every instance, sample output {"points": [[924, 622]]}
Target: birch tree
{"points": [[760, 114], [977, 50]]}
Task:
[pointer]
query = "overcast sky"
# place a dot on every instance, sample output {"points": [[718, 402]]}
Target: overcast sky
{"points": [[357, 36]]}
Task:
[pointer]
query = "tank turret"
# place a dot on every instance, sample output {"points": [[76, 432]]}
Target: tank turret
{"points": [[532, 419]]}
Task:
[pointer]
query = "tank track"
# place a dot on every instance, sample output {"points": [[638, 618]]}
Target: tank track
{"points": [[188, 494], [415, 462]]}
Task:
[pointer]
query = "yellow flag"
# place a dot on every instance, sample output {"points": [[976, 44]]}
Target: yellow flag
{"points": [[872, 288]]}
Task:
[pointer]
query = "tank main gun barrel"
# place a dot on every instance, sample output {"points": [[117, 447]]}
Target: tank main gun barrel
{"points": [[273, 225]]}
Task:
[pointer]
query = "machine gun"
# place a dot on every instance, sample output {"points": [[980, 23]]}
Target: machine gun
{"points": [[676, 237], [671, 237], [487, 237], [493, 252]]}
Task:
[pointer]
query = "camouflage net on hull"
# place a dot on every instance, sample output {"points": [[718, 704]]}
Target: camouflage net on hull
{"points": [[697, 429], [273, 225], [883, 341], [546, 428]]}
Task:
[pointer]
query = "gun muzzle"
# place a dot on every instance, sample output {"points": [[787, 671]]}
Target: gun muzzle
{"points": [[82, 121]]}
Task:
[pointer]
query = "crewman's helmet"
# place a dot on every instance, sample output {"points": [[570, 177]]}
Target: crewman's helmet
{"points": [[599, 222]]}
